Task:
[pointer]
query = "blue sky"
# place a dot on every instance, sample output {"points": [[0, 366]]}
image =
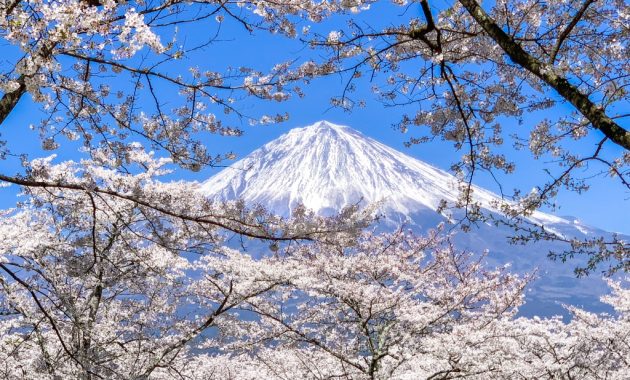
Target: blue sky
{"points": [[606, 205]]}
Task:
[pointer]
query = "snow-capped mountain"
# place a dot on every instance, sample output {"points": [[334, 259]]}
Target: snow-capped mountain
{"points": [[326, 167]]}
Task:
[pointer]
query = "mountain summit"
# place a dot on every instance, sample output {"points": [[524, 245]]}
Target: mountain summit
{"points": [[327, 166]]}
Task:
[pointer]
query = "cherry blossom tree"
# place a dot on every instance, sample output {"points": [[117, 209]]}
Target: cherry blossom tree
{"points": [[479, 75], [342, 317], [97, 285], [403, 307], [99, 70]]}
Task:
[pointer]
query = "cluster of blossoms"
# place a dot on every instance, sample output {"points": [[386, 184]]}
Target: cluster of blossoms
{"points": [[109, 274], [65, 53]]}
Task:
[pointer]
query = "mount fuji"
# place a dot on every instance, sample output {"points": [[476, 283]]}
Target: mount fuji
{"points": [[327, 166]]}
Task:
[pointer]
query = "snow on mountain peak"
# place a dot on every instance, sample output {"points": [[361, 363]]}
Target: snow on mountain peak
{"points": [[327, 166]]}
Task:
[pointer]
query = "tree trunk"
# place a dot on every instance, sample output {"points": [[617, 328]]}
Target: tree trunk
{"points": [[11, 99]]}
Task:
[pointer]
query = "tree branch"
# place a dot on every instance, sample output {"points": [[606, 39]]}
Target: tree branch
{"points": [[252, 231], [10, 99], [594, 113], [565, 33], [420, 34]]}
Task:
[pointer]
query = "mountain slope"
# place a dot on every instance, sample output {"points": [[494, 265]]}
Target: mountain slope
{"points": [[327, 166]]}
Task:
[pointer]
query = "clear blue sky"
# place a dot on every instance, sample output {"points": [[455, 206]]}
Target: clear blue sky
{"points": [[606, 205]]}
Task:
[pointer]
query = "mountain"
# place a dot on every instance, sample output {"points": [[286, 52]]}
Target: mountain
{"points": [[326, 167]]}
